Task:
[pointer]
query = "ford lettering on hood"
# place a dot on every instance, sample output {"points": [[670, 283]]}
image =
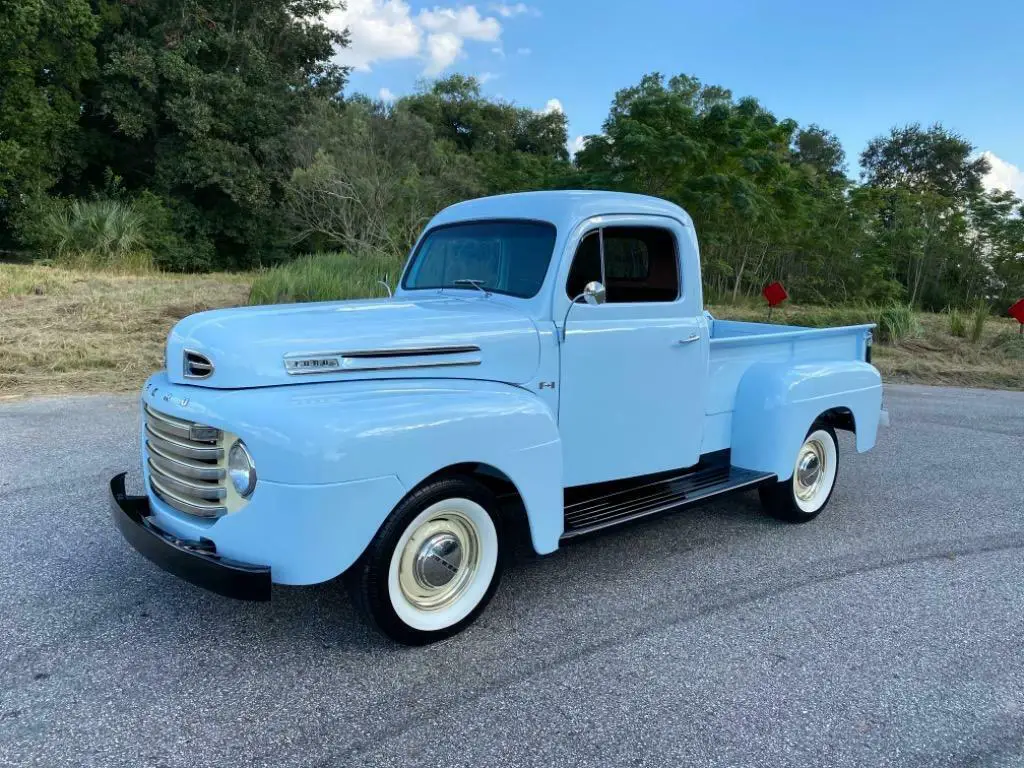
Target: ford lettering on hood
{"points": [[448, 337]]}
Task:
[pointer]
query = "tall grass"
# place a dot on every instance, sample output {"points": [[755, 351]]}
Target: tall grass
{"points": [[328, 276], [957, 324], [898, 322], [99, 234], [978, 318]]}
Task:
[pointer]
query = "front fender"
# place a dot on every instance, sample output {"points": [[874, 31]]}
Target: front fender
{"points": [[340, 434], [776, 403]]}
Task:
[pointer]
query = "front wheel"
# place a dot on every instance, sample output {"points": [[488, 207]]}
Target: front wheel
{"points": [[802, 497], [434, 565]]}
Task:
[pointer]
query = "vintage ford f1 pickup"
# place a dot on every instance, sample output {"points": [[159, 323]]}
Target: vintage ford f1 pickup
{"points": [[545, 369]]}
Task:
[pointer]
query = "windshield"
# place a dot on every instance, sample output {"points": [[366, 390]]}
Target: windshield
{"points": [[509, 257]]}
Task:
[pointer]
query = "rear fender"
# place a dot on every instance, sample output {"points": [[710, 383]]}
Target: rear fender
{"points": [[776, 404]]}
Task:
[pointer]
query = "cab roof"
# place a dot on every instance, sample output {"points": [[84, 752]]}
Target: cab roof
{"points": [[565, 209]]}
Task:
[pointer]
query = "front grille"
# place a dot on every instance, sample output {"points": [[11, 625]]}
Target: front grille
{"points": [[186, 464]]}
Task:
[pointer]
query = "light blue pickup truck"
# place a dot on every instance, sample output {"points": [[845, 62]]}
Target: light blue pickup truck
{"points": [[545, 369]]}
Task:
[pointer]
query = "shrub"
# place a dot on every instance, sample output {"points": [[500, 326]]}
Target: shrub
{"points": [[173, 235], [897, 322], [97, 234], [328, 276], [957, 323], [978, 318]]}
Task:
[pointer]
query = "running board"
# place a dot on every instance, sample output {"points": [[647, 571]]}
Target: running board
{"points": [[622, 502]]}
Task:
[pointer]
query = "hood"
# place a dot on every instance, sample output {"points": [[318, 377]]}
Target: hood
{"points": [[445, 337]]}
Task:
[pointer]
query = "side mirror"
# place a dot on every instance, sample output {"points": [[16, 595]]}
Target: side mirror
{"points": [[594, 293]]}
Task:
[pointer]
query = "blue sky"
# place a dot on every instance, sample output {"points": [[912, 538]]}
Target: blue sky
{"points": [[855, 68]]}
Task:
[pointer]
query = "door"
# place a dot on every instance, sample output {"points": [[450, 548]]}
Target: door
{"points": [[633, 369]]}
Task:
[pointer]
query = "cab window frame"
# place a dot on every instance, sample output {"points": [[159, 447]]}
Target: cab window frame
{"points": [[600, 231]]}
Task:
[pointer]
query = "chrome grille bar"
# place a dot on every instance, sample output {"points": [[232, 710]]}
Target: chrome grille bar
{"points": [[173, 465], [186, 464], [178, 448]]}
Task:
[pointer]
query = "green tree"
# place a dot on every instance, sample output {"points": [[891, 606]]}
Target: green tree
{"points": [[728, 162], [368, 177], [515, 148], [195, 102], [46, 51], [925, 184]]}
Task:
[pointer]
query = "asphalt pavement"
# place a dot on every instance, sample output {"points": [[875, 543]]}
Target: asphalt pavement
{"points": [[888, 632]]}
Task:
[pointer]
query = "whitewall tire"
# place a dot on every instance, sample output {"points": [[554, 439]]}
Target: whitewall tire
{"points": [[435, 563], [802, 497]]}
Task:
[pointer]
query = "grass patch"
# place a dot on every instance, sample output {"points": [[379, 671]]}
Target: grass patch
{"points": [[898, 322], [957, 324], [69, 331], [976, 328], [325, 277]]}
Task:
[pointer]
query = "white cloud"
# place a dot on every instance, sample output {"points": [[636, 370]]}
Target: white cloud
{"points": [[442, 50], [498, 51], [466, 22], [519, 9], [524, 51], [379, 30], [553, 105], [386, 95], [486, 77], [577, 144], [382, 30], [1004, 175]]}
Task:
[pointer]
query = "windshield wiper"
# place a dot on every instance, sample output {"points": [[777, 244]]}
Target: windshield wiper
{"points": [[476, 283]]}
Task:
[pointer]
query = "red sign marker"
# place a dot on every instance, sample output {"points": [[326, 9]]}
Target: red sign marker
{"points": [[775, 294], [1017, 313]]}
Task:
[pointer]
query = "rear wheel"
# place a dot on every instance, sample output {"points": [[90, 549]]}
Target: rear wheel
{"points": [[802, 497], [434, 565]]}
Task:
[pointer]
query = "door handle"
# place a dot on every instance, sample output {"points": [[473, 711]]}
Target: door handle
{"points": [[689, 339]]}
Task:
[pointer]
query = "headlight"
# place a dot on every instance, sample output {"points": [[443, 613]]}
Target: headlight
{"points": [[241, 470]]}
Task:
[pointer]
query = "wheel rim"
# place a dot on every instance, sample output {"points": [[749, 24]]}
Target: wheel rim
{"points": [[440, 560], [814, 473], [443, 564], [811, 470]]}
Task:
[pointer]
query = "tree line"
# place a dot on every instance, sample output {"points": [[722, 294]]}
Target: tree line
{"points": [[223, 128]]}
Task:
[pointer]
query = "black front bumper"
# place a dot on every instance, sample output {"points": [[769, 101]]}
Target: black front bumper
{"points": [[193, 561]]}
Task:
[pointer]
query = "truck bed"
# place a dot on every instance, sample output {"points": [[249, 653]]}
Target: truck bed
{"points": [[735, 346]]}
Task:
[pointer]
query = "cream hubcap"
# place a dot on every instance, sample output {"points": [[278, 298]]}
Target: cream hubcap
{"points": [[443, 564], [814, 473], [810, 469], [439, 561]]}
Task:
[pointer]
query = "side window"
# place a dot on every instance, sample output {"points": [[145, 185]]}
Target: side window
{"points": [[586, 265], [640, 264]]}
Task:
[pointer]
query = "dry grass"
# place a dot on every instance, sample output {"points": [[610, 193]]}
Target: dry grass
{"points": [[933, 356], [64, 331]]}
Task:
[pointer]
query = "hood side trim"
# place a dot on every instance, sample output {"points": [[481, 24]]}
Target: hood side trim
{"points": [[304, 363]]}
